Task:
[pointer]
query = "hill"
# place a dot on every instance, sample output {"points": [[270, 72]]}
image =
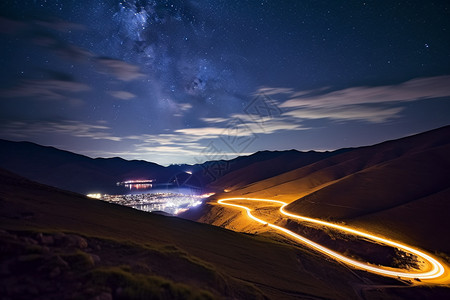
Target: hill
{"points": [[397, 188], [61, 245], [72, 171], [275, 165], [82, 174]]}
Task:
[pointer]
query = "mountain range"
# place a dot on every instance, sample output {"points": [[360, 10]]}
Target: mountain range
{"points": [[82, 174]]}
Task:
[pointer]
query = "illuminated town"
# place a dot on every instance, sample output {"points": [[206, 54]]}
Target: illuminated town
{"points": [[136, 184], [170, 203]]}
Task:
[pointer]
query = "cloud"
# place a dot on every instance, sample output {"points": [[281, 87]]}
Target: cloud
{"points": [[201, 132], [28, 129], [73, 52], [9, 26], [363, 103], [412, 90], [61, 48], [181, 147], [347, 113], [214, 120], [44, 38], [175, 145], [273, 91], [60, 25], [184, 106], [239, 125], [242, 126], [119, 69], [124, 95], [46, 89], [175, 150], [258, 124]]}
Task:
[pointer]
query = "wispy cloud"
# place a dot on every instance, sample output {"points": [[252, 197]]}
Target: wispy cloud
{"points": [[46, 89], [201, 132], [9, 26], [181, 108], [59, 25], [184, 106], [273, 90], [214, 120], [347, 113], [23, 129], [412, 90], [230, 136], [119, 69], [123, 95], [363, 103], [41, 32]]}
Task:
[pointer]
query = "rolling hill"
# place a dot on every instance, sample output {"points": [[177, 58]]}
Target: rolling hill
{"points": [[57, 244], [398, 188], [61, 245], [82, 174]]}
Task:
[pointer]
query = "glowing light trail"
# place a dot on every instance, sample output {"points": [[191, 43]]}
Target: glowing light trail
{"points": [[436, 272]]}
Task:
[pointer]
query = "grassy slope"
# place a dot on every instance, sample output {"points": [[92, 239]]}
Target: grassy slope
{"points": [[128, 249]]}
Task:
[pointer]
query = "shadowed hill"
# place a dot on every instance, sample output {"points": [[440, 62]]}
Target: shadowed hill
{"points": [[72, 171], [82, 174]]}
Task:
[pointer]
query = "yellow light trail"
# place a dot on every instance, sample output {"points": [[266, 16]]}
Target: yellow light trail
{"points": [[438, 272]]}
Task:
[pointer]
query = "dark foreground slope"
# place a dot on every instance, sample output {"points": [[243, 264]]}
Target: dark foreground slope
{"points": [[60, 245]]}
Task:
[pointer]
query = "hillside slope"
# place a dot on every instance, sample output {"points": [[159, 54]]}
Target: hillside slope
{"points": [[260, 170], [369, 187], [72, 171], [410, 193], [61, 245]]}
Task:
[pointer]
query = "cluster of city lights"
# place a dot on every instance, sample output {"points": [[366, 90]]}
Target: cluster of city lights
{"points": [[168, 202]]}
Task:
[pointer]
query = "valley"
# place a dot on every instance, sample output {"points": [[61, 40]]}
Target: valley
{"points": [[338, 226]]}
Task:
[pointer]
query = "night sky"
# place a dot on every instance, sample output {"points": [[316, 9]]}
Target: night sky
{"points": [[189, 81]]}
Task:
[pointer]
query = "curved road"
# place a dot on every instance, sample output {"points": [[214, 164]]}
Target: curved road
{"points": [[435, 271]]}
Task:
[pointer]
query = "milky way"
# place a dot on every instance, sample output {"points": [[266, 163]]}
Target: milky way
{"points": [[164, 80]]}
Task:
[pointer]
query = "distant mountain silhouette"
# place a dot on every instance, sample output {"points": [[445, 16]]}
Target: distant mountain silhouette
{"points": [[72, 171], [79, 173]]}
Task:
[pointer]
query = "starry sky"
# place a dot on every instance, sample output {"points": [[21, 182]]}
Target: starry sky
{"points": [[195, 80]]}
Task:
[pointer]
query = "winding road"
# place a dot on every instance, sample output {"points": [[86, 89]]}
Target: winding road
{"points": [[433, 271]]}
